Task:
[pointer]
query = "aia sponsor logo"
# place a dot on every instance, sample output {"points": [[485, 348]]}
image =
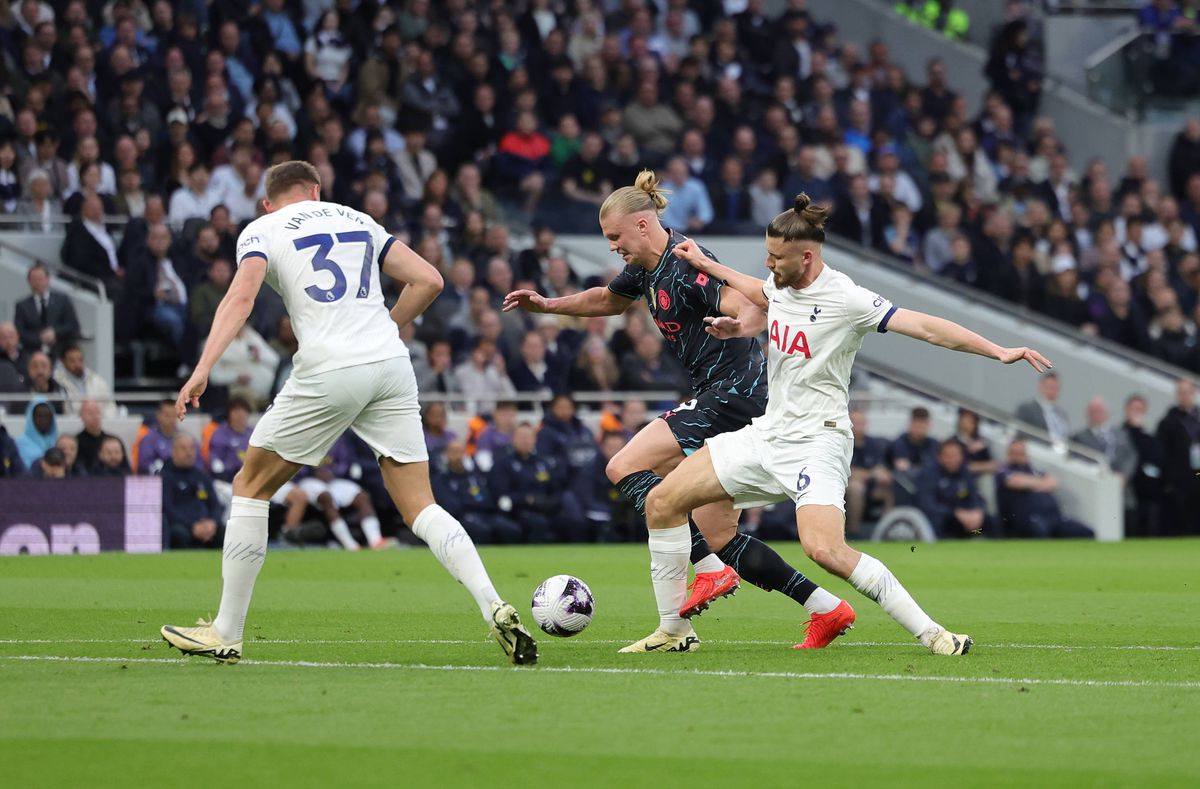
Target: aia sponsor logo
{"points": [[664, 300], [791, 341]]}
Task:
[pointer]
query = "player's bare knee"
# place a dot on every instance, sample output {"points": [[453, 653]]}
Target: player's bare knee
{"points": [[662, 506], [618, 468]]}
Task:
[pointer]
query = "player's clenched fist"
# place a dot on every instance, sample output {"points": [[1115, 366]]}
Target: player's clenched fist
{"points": [[528, 300]]}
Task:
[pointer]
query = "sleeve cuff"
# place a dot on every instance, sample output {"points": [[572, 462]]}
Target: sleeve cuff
{"points": [[883, 323], [622, 293], [386, 246], [252, 254]]}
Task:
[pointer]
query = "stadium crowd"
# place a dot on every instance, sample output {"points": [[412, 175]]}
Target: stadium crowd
{"points": [[448, 122]]}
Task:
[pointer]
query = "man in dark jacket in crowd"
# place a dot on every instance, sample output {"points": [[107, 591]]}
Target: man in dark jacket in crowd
{"points": [[1143, 490], [11, 464], [870, 480], [1179, 437], [947, 494], [462, 490], [565, 438], [529, 489], [1026, 499], [609, 515], [191, 512], [913, 451]]}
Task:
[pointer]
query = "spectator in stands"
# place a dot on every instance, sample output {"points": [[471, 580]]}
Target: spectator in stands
{"points": [[870, 483], [1143, 491], [1015, 70], [40, 204], [608, 515], [69, 446], [204, 298], [52, 465], [41, 431], [689, 210], [586, 180], [534, 371], [191, 510], [654, 125], [47, 161], [196, 200], [110, 460], [79, 383], [861, 216], [92, 436], [564, 437], [482, 378], [914, 449], [437, 434], [13, 360], [730, 197], [463, 491], [975, 448], [1044, 413], [497, 435], [227, 444], [153, 446], [11, 464], [89, 249], [438, 375], [523, 159], [1026, 500], [247, 367], [531, 488], [949, 497], [1114, 444], [648, 369], [1179, 436], [39, 380]]}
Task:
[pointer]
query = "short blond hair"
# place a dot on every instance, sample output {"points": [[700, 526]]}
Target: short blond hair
{"points": [[644, 195], [285, 176]]}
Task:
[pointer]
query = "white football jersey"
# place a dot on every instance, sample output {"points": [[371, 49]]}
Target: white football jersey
{"points": [[813, 336], [324, 260]]}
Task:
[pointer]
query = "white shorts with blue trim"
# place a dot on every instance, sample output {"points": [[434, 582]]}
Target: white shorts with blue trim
{"points": [[756, 470]]}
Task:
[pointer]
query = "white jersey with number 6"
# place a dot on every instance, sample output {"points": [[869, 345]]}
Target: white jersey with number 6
{"points": [[324, 259], [813, 337]]}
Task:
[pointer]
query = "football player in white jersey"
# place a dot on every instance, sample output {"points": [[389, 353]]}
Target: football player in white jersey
{"points": [[800, 448], [352, 371]]}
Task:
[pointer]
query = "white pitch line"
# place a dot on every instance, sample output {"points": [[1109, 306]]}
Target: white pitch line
{"points": [[1089, 683], [585, 642]]}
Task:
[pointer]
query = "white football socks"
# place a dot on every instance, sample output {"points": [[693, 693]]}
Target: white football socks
{"points": [[452, 546], [670, 550], [341, 531], [875, 580], [243, 555], [821, 601], [710, 564], [370, 527]]}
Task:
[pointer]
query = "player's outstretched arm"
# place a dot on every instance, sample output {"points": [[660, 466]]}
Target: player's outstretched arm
{"points": [[748, 286], [741, 317], [422, 282], [948, 334], [231, 315], [588, 304]]}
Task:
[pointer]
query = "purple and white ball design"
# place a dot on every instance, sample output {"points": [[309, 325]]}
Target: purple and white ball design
{"points": [[563, 605]]}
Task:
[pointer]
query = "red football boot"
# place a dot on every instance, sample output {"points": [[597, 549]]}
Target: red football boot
{"points": [[823, 628], [707, 587]]}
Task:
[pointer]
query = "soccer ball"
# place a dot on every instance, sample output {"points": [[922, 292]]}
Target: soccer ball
{"points": [[563, 605]]}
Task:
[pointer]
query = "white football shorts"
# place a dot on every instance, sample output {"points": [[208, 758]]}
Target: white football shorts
{"points": [[756, 470], [377, 400]]}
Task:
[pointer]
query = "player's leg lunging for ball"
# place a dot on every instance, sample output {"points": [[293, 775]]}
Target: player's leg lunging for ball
{"points": [[693, 484]]}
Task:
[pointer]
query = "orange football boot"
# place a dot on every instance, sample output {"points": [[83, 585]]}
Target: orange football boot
{"points": [[707, 587], [823, 628]]}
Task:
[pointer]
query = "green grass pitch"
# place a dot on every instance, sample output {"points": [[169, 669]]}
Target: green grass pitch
{"points": [[374, 670]]}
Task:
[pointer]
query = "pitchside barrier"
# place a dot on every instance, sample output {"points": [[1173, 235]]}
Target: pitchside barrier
{"points": [[85, 515]]}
